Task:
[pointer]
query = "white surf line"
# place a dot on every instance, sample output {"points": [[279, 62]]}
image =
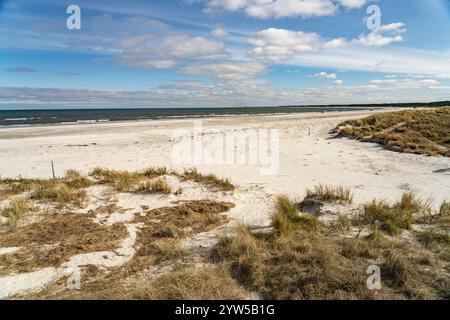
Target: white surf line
{"points": [[26, 282]]}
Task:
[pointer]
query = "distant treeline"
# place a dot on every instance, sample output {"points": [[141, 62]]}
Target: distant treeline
{"points": [[379, 105]]}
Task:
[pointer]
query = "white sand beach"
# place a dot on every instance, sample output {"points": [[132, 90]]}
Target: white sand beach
{"points": [[305, 160], [308, 155]]}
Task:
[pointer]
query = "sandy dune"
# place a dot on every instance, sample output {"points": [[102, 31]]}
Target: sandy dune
{"points": [[305, 159]]}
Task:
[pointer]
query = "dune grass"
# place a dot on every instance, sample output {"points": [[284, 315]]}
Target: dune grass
{"points": [[433, 237], [209, 180], [410, 131], [65, 234], [66, 191], [392, 219], [16, 210], [442, 217], [185, 283], [300, 262], [76, 180], [137, 181], [329, 193], [154, 186], [61, 194], [122, 181]]}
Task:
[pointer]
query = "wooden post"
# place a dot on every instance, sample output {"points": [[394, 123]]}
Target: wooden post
{"points": [[309, 132], [53, 170]]}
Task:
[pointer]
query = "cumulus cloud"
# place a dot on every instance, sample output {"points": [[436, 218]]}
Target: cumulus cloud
{"points": [[226, 70], [219, 32], [167, 51], [265, 9], [324, 75], [280, 44], [383, 35], [405, 83], [353, 4]]}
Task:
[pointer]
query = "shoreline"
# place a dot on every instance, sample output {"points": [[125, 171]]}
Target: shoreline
{"points": [[207, 116]]}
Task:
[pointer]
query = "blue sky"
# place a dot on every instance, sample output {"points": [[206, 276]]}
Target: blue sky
{"points": [[222, 53]]}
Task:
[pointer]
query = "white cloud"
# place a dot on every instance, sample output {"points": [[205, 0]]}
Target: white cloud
{"points": [[166, 52], [280, 44], [353, 4], [219, 32], [324, 75], [405, 83], [265, 9], [397, 27], [338, 82], [219, 94], [226, 70], [377, 38]]}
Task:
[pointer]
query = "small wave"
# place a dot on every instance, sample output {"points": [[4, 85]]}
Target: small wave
{"points": [[18, 119], [92, 121]]}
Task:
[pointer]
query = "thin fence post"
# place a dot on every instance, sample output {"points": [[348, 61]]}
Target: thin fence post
{"points": [[53, 170]]}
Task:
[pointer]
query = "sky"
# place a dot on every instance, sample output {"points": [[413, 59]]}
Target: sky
{"points": [[222, 53]]}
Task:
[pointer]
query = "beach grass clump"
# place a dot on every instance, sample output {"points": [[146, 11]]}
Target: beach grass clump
{"points": [[329, 193], [442, 217], [433, 237], [388, 218], [155, 186], [122, 181], [209, 180], [14, 187], [16, 210], [76, 180], [393, 219], [424, 131], [62, 194], [126, 181], [287, 216], [155, 172]]}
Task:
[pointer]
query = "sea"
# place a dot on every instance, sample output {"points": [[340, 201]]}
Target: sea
{"points": [[24, 118]]}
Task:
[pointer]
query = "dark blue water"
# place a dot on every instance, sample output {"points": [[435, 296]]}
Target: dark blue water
{"points": [[53, 117]]}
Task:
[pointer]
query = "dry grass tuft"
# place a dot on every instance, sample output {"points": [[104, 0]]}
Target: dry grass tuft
{"points": [[329, 193], [125, 181], [411, 131], [62, 194], [287, 217], [53, 240], [155, 172], [15, 211], [155, 186], [442, 217], [189, 283], [74, 179], [13, 187], [189, 217], [209, 180], [432, 237], [122, 181], [392, 219]]}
